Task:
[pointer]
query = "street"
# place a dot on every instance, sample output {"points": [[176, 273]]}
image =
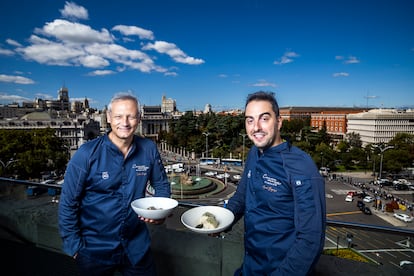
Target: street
{"points": [[380, 247]]}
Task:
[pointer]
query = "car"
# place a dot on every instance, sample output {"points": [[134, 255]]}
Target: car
{"points": [[360, 204], [359, 194], [406, 263], [366, 211], [383, 182], [324, 171], [403, 217], [210, 173], [237, 176], [349, 198], [401, 187], [368, 199]]}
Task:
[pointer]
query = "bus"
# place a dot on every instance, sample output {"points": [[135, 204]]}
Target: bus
{"points": [[232, 162], [209, 161]]}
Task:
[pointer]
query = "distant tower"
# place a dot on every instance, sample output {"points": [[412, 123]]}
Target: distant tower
{"points": [[168, 105], [207, 108], [63, 94], [104, 120], [85, 104], [63, 98]]}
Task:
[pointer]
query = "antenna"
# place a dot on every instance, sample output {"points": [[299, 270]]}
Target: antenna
{"points": [[368, 97]]}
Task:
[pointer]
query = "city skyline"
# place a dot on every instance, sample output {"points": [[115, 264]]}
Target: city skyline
{"points": [[310, 53]]}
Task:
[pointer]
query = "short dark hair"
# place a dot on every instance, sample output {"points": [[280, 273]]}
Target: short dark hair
{"points": [[264, 96]]}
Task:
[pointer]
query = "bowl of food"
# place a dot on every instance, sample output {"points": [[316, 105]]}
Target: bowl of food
{"points": [[154, 207], [207, 219]]}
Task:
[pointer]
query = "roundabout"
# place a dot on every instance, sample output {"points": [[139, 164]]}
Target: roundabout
{"points": [[185, 186]]}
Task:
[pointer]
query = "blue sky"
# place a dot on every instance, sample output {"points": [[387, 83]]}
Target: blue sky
{"points": [[310, 53]]}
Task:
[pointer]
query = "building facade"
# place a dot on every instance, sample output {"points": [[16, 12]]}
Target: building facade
{"points": [[380, 125], [74, 131]]}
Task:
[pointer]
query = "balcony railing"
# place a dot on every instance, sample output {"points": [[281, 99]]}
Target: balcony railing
{"points": [[31, 242]]}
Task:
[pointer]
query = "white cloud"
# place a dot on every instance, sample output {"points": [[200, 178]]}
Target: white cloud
{"points": [[93, 61], [6, 52], [65, 43], [12, 98], [13, 42], [73, 11], [263, 83], [340, 74], [44, 96], [15, 79], [172, 74], [101, 73], [133, 30], [351, 60], [173, 51], [287, 57], [348, 60], [70, 32], [48, 52]]}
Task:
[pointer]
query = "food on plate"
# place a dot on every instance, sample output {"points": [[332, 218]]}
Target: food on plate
{"points": [[208, 221], [153, 208]]}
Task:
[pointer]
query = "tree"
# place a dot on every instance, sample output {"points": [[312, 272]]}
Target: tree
{"points": [[35, 151], [354, 140]]}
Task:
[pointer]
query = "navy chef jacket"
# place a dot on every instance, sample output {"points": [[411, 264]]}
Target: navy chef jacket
{"points": [[95, 216], [282, 197]]}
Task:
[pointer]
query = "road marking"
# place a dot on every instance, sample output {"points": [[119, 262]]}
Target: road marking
{"points": [[386, 250], [343, 213]]}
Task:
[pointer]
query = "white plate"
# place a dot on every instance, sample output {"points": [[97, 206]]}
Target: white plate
{"points": [[163, 207], [191, 218]]}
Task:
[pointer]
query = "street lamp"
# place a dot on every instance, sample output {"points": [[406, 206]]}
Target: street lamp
{"points": [[244, 136], [382, 156], [206, 134], [322, 159], [8, 163]]}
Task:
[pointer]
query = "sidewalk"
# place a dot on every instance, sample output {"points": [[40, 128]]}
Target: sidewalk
{"points": [[362, 175], [388, 217]]}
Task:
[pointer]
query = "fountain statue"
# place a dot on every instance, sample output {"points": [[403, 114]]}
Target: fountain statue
{"points": [[186, 179]]}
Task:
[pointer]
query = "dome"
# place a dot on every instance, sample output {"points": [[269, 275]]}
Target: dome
{"points": [[37, 116]]}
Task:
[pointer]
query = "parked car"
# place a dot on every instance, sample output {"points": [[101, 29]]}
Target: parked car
{"points": [[403, 217], [368, 199], [383, 182], [400, 187], [401, 181]]}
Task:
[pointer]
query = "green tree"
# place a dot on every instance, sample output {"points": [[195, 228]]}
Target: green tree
{"points": [[354, 140], [34, 151]]}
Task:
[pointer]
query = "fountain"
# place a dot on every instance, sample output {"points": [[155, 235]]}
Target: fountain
{"points": [[193, 187]]}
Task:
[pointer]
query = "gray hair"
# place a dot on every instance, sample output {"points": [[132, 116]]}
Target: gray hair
{"points": [[123, 96]]}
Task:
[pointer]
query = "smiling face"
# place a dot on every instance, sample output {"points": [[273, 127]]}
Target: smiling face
{"points": [[262, 124], [123, 118]]}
